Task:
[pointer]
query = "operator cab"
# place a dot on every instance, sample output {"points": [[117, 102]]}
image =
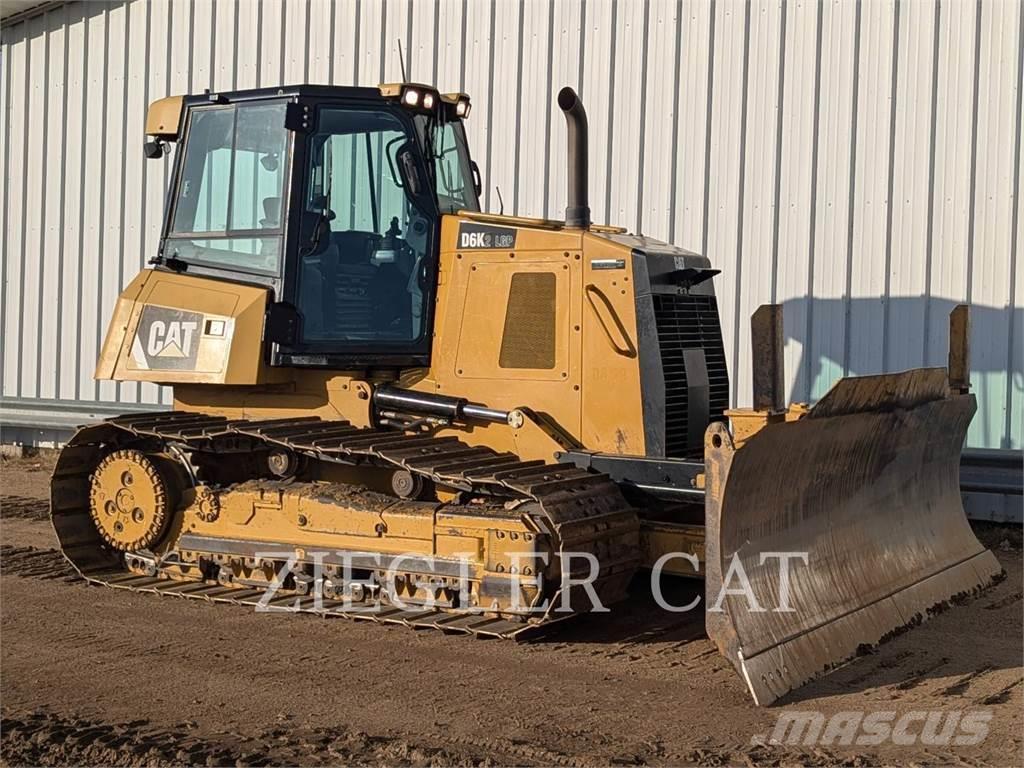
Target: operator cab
{"points": [[330, 196]]}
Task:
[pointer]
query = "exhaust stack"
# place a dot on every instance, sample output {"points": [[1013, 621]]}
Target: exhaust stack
{"points": [[577, 213]]}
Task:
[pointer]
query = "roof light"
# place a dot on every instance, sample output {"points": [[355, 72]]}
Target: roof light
{"points": [[457, 105], [416, 96]]}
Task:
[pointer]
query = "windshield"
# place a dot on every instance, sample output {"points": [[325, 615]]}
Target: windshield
{"points": [[453, 170], [227, 208]]}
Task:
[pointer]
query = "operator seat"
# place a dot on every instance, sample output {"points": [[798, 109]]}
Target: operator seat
{"points": [[347, 272]]}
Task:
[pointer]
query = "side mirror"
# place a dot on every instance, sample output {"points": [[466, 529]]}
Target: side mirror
{"points": [[409, 172], [153, 149], [478, 186]]}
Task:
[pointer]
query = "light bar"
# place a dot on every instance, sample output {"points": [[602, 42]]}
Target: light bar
{"points": [[411, 95]]}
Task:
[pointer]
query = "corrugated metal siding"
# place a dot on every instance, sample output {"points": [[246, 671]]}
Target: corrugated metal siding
{"points": [[857, 161]]}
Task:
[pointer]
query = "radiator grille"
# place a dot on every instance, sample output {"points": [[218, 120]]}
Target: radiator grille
{"points": [[688, 322]]}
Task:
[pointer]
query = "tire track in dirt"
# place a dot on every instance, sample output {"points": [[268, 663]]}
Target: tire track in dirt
{"points": [[24, 508], [32, 562], [1002, 695], [1005, 601], [959, 688], [921, 674], [882, 665]]}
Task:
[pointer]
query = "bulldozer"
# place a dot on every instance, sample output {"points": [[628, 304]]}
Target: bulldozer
{"points": [[393, 406]]}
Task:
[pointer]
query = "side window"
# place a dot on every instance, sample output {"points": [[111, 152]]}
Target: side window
{"points": [[364, 241], [201, 204], [454, 183], [227, 209]]}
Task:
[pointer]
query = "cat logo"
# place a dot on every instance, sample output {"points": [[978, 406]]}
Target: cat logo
{"points": [[167, 339], [173, 339]]}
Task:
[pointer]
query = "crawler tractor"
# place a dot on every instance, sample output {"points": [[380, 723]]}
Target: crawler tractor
{"points": [[393, 406]]}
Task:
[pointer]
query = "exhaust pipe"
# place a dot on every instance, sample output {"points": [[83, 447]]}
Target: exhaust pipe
{"points": [[577, 213]]}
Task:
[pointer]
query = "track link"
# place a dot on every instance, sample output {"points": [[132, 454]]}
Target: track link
{"points": [[580, 510]]}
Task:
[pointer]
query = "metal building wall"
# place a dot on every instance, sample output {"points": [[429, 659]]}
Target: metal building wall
{"points": [[857, 161]]}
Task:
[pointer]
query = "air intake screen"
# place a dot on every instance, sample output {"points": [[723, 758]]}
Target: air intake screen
{"points": [[529, 337]]}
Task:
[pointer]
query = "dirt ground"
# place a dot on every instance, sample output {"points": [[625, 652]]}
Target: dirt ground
{"points": [[94, 676]]}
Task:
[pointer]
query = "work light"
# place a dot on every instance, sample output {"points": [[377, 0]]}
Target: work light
{"points": [[456, 104]]}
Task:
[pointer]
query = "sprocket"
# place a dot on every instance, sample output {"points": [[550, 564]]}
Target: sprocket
{"points": [[129, 500]]}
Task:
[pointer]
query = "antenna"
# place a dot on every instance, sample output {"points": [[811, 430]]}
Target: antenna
{"points": [[501, 203], [401, 60]]}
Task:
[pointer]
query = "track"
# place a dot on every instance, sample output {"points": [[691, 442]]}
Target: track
{"points": [[578, 510]]}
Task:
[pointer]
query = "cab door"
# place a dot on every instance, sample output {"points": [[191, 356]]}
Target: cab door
{"points": [[361, 279]]}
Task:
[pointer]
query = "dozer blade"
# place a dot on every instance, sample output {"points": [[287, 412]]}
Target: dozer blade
{"points": [[866, 483]]}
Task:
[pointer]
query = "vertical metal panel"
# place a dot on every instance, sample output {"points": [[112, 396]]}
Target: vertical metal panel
{"points": [[420, 56], [16, 255], [36, 268], [989, 251], [449, 49], [270, 56], [528, 184], [74, 156], [110, 251], [727, 156], [497, 160], [870, 206], [796, 214], [478, 63], [858, 162], [50, 308], [627, 90], [826, 326], [564, 69], [226, 24], [94, 269], [660, 101], [134, 172], [5, 173], [759, 168], [297, 51], [693, 63], [909, 174]]}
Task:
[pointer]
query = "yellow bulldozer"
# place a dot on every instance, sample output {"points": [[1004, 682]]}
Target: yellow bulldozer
{"points": [[390, 405]]}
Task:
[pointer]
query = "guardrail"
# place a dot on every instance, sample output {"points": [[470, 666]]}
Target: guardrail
{"points": [[992, 483]]}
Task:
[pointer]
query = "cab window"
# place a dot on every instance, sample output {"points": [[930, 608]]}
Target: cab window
{"points": [[453, 171], [227, 206]]}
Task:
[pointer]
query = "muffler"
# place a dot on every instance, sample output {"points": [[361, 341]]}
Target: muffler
{"points": [[577, 212]]}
